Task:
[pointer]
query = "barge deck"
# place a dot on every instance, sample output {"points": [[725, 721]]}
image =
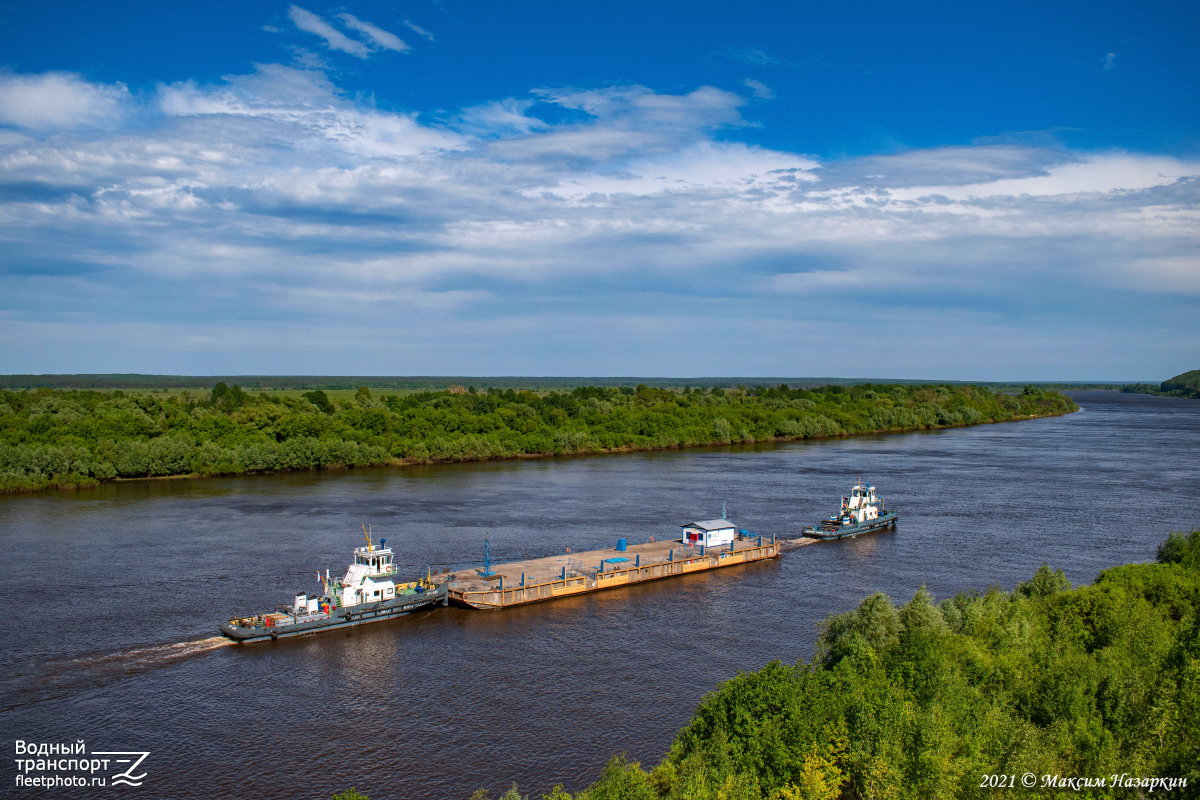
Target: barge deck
{"points": [[533, 580]]}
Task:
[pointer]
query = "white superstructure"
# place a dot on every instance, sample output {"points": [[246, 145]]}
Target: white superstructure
{"points": [[862, 505], [370, 578]]}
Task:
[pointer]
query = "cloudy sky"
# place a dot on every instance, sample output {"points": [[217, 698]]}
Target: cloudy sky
{"points": [[1004, 191]]}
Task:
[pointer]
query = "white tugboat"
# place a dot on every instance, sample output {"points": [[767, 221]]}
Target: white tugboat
{"points": [[862, 512], [369, 592]]}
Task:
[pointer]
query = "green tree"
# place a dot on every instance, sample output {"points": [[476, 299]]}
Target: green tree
{"points": [[1181, 548], [319, 399], [1045, 582]]}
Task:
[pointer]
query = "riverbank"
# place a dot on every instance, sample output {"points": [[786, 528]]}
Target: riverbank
{"points": [[60, 439], [1091, 687], [1186, 384]]}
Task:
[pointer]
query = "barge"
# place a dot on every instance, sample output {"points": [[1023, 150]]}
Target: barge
{"points": [[369, 592], [862, 512], [707, 545]]}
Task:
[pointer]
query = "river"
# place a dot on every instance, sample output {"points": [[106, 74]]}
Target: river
{"points": [[113, 596]]}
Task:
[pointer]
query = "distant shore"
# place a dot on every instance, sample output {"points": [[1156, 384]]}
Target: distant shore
{"points": [[63, 439]]}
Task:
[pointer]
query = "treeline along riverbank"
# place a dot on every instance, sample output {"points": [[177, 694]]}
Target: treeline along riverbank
{"points": [[1186, 384], [1046, 691], [64, 438]]}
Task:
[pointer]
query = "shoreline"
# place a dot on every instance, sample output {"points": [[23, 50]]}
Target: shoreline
{"points": [[406, 462]]}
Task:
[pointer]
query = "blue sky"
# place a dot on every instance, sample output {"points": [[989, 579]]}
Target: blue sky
{"points": [[943, 190]]}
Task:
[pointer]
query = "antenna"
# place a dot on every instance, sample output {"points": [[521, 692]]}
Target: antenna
{"points": [[486, 572]]}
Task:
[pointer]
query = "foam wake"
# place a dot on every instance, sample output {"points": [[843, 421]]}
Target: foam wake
{"points": [[57, 677]]}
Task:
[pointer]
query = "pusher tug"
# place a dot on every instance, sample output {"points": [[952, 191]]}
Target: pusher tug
{"points": [[862, 512], [368, 593]]}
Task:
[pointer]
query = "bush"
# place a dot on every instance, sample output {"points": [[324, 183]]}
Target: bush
{"points": [[1181, 548]]}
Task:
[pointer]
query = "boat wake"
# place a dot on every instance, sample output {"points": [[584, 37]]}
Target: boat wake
{"points": [[57, 677], [154, 655]]}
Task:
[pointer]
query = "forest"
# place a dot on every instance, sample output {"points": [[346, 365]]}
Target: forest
{"points": [[70, 438], [1186, 384], [1091, 691]]}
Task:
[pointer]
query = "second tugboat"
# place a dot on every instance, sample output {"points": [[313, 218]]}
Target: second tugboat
{"points": [[862, 512], [368, 593]]}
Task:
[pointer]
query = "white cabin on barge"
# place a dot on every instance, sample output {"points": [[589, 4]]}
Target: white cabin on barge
{"points": [[709, 533]]}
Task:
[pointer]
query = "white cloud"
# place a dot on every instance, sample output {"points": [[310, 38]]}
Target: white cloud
{"points": [[417, 29], [1109, 61], [381, 38], [335, 39], [58, 100], [751, 55], [500, 118], [704, 107], [1096, 173], [759, 89], [306, 99], [725, 167]]}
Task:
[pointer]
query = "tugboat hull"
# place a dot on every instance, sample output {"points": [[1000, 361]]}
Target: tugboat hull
{"points": [[832, 530], [347, 617]]}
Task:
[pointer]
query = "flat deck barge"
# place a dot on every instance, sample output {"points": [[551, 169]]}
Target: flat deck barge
{"points": [[536, 579]]}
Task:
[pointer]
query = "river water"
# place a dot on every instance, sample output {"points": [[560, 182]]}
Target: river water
{"points": [[113, 596]]}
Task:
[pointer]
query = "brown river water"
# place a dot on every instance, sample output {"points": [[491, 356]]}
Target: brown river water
{"points": [[113, 596]]}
